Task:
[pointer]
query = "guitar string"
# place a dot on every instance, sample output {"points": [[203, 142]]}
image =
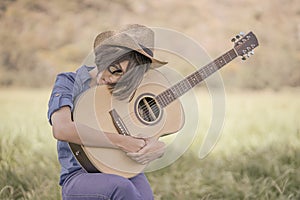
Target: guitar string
{"points": [[151, 103], [153, 106]]}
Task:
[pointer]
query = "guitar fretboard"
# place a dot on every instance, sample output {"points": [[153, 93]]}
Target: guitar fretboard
{"points": [[180, 88]]}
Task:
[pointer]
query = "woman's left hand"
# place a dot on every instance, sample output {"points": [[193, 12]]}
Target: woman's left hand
{"points": [[152, 150]]}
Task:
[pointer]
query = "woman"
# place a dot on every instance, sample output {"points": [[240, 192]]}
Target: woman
{"points": [[122, 58]]}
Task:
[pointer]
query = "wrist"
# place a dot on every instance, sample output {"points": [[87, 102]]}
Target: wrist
{"points": [[115, 139]]}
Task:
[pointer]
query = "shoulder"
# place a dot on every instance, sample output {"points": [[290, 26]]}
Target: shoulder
{"points": [[65, 77], [81, 75]]}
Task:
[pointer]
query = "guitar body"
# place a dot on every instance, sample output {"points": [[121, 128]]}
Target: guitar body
{"points": [[93, 109]]}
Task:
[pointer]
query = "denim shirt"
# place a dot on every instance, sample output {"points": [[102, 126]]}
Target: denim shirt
{"points": [[66, 89]]}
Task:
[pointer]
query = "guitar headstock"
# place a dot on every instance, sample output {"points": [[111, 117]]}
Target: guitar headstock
{"points": [[244, 44]]}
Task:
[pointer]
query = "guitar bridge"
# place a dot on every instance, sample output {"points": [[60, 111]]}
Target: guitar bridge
{"points": [[118, 122]]}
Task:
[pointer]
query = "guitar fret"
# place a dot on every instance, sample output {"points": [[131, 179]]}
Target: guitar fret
{"points": [[232, 54], [164, 99], [203, 74], [213, 67], [160, 100], [167, 97], [174, 92], [177, 89], [222, 61], [227, 57], [208, 69], [170, 95], [164, 103], [197, 78], [184, 86], [200, 78], [193, 79]]}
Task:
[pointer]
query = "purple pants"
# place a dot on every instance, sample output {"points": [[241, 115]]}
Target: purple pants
{"points": [[90, 186]]}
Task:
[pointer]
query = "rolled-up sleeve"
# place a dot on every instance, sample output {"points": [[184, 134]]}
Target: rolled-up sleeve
{"points": [[62, 93]]}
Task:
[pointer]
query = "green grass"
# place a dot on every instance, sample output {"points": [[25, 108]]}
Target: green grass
{"points": [[257, 157]]}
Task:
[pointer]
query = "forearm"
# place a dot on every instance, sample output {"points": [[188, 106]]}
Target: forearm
{"points": [[66, 130], [96, 138], [81, 134], [63, 128]]}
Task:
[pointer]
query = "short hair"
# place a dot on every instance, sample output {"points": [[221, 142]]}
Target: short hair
{"points": [[138, 65]]}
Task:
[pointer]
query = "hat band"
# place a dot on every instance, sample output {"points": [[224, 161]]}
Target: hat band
{"points": [[147, 50]]}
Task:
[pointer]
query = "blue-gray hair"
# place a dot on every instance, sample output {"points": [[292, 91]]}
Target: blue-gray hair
{"points": [[138, 65]]}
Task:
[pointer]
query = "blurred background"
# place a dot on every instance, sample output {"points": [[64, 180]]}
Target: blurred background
{"points": [[258, 155], [41, 38]]}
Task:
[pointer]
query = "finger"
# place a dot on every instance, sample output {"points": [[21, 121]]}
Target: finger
{"points": [[144, 161], [134, 156], [140, 160]]}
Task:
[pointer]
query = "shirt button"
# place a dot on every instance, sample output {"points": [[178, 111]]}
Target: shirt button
{"points": [[57, 94]]}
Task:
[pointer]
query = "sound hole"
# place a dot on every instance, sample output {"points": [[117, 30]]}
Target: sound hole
{"points": [[148, 110]]}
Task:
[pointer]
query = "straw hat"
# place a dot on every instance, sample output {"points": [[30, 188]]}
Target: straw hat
{"points": [[134, 36]]}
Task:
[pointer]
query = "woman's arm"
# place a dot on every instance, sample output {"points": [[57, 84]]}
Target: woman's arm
{"points": [[63, 128]]}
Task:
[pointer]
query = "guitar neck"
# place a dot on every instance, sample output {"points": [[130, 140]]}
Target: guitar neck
{"points": [[180, 88]]}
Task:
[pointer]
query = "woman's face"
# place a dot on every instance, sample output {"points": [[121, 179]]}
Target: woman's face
{"points": [[113, 73]]}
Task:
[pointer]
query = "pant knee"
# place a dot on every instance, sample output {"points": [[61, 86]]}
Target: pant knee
{"points": [[125, 185], [127, 190]]}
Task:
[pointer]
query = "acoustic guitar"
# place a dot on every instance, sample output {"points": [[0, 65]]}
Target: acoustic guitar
{"points": [[153, 111]]}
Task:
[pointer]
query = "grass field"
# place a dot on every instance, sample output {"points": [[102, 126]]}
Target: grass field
{"points": [[257, 157]]}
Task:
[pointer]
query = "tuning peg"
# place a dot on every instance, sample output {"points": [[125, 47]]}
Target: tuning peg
{"points": [[241, 34], [250, 53]]}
